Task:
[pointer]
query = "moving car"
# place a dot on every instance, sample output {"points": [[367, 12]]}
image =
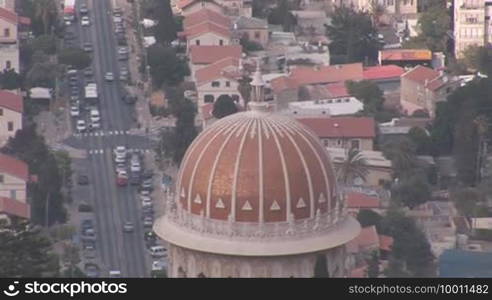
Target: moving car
{"points": [[83, 9], [91, 270], [74, 111], [120, 152], [109, 76], [148, 222], [128, 227], [87, 223], [122, 178], [146, 202], [158, 251], [88, 47], [82, 179], [95, 116], [120, 167], [158, 265], [85, 21]]}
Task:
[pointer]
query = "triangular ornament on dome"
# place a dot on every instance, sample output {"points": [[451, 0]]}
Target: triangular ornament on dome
{"points": [[219, 203], [198, 199], [247, 206], [322, 198], [301, 203], [275, 206], [183, 194]]}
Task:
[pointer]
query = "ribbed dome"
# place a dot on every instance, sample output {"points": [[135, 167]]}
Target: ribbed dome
{"points": [[256, 166]]}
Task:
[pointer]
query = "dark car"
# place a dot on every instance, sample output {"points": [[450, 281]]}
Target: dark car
{"points": [[83, 179], [129, 99], [91, 270], [148, 174], [134, 179], [69, 35], [83, 9], [86, 224], [88, 72], [89, 244]]}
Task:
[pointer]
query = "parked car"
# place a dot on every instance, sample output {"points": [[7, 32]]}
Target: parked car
{"points": [[74, 111], [134, 179], [159, 265], [120, 167], [82, 179], [88, 47], [87, 223], [91, 270], [135, 167], [89, 244], [81, 127], [83, 9], [148, 222], [129, 99], [158, 251], [120, 151], [147, 202], [95, 115], [122, 178]]}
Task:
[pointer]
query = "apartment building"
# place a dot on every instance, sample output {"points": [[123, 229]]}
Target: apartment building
{"points": [[14, 176], [11, 109], [9, 48], [470, 24]]}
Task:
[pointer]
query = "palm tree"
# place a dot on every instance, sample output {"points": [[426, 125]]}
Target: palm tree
{"points": [[354, 166], [45, 10], [376, 10], [401, 152]]}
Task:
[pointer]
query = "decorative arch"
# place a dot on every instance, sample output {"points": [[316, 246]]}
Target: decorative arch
{"points": [[321, 267]]}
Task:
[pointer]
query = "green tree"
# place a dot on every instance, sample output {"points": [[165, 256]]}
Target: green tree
{"points": [[10, 80], [24, 251], [46, 12], [368, 92], [421, 140], [244, 88], [412, 191], [42, 74], [373, 266], [224, 106], [354, 166], [401, 152], [367, 217], [467, 200], [166, 29], [377, 11], [165, 67], [185, 128], [74, 57], [434, 23], [281, 15], [352, 34], [45, 43]]}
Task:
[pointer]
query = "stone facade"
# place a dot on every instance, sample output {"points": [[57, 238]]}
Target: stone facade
{"points": [[189, 263]]}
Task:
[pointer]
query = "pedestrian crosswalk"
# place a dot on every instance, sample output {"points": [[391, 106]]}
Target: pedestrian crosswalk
{"points": [[102, 151], [102, 133]]}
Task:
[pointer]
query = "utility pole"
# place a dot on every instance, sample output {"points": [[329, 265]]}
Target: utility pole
{"points": [[47, 209]]}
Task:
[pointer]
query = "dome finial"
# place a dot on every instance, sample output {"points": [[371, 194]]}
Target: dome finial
{"points": [[257, 84]]}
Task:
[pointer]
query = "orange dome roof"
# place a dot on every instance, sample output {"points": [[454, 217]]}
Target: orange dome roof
{"points": [[256, 167]]}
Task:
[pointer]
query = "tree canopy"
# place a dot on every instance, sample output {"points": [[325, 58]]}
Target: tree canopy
{"points": [[24, 251], [42, 74], [422, 141], [74, 57], [10, 80], [281, 15], [412, 191], [224, 106], [369, 93], [165, 67], [353, 35], [478, 58], [166, 29]]}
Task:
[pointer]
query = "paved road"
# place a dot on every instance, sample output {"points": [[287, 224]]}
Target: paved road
{"points": [[112, 205]]}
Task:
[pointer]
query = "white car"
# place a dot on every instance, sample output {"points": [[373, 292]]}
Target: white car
{"points": [[85, 21], [74, 111], [95, 116], [120, 167], [146, 202], [95, 125], [117, 19], [145, 193], [119, 159], [81, 126], [135, 167], [159, 265], [109, 76], [120, 151]]}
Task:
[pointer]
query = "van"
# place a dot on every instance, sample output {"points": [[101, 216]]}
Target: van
{"points": [[158, 251]]}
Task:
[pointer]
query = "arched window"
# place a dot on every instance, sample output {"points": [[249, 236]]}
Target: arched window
{"points": [[181, 273], [320, 269]]}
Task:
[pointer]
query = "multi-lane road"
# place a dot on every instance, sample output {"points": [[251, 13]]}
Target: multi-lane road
{"points": [[112, 205]]}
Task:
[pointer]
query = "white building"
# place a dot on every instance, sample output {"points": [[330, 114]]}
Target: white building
{"points": [[326, 107], [471, 24]]}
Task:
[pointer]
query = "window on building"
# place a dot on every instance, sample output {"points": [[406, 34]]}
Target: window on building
{"points": [[320, 268], [228, 84], [257, 35], [1, 112], [197, 42], [339, 142], [209, 99], [215, 83], [10, 126], [326, 143], [221, 42], [13, 195], [8, 64], [6, 32], [355, 144], [1, 178]]}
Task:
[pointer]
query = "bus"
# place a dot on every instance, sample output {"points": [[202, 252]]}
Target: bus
{"points": [[69, 10]]}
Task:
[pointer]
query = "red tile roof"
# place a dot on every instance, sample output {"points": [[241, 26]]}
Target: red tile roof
{"points": [[8, 15], [405, 54], [211, 54], [11, 101], [14, 208], [227, 67], [182, 4], [360, 200], [206, 15], [206, 27], [420, 74], [337, 89], [385, 242], [327, 74], [383, 72], [280, 84], [25, 21], [348, 127], [12, 166]]}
